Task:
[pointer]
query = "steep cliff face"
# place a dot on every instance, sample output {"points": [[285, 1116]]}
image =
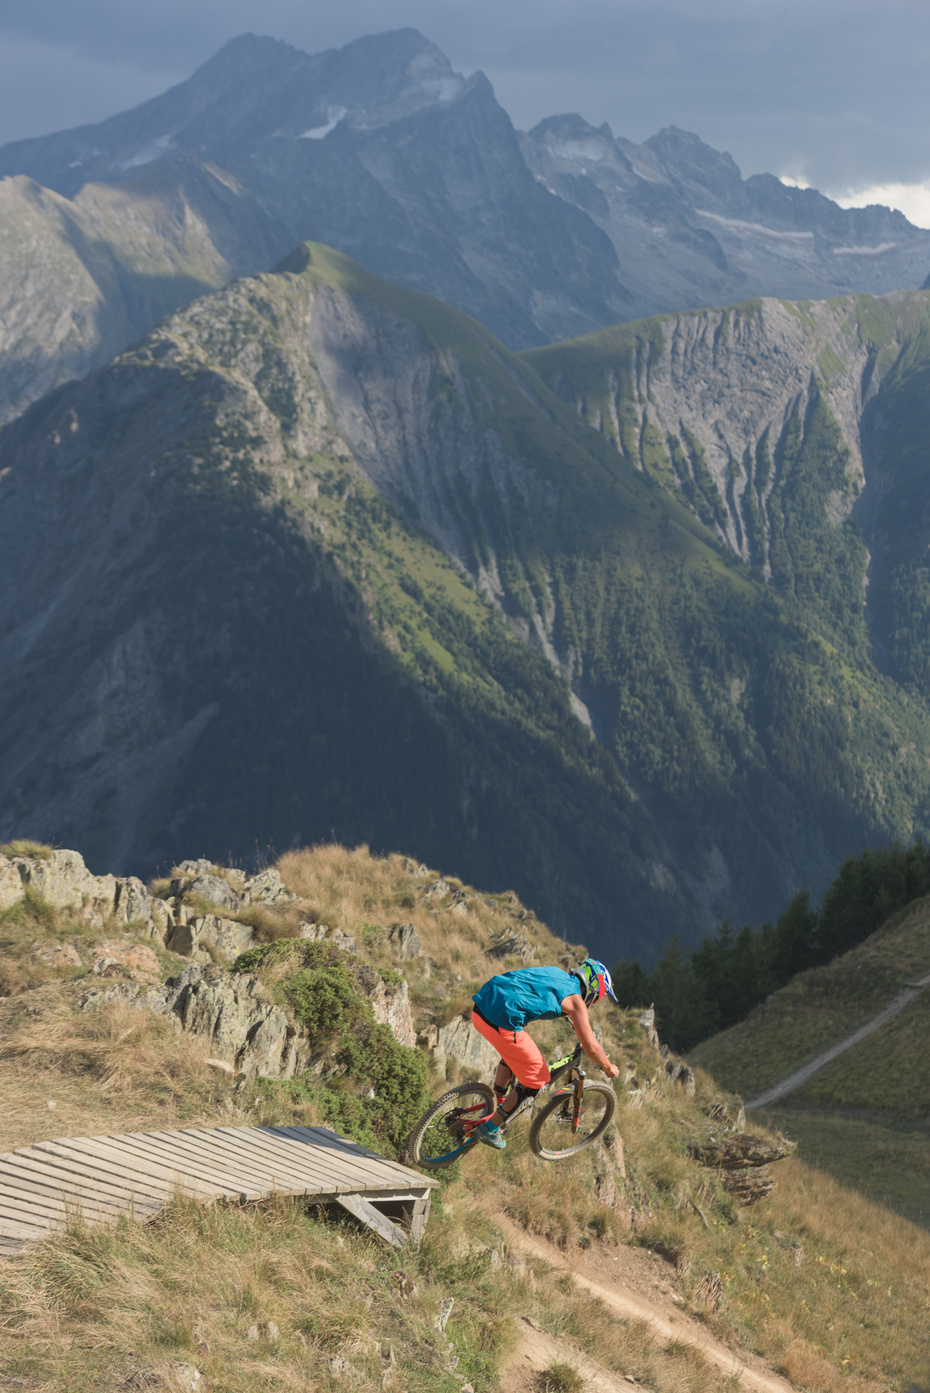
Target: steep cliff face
{"points": [[80, 278], [320, 556], [777, 423]]}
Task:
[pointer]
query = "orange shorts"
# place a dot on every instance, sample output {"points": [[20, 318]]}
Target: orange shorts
{"points": [[517, 1050]]}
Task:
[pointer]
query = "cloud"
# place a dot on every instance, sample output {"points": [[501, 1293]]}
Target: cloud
{"points": [[834, 91], [913, 200]]}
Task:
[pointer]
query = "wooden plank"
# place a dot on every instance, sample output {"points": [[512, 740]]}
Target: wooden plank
{"points": [[15, 1199], [49, 1193], [191, 1168], [277, 1165], [94, 1165], [325, 1180], [33, 1173], [184, 1148], [277, 1170], [343, 1161], [367, 1213], [113, 1160], [330, 1139], [279, 1141], [149, 1157], [15, 1228], [13, 1214], [418, 1219], [46, 1204]]}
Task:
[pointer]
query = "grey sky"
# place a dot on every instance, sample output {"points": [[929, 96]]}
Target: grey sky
{"points": [[833, 92]]}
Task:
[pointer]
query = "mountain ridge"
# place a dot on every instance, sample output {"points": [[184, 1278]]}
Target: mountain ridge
{"points": [[602, 689], [382, 150]]}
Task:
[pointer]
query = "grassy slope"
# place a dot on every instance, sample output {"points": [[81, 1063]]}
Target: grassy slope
{"points": [[812, 1277], [864, 1116]]}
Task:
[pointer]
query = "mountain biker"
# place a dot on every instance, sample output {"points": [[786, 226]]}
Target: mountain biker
{"points": [[508, 1002]]}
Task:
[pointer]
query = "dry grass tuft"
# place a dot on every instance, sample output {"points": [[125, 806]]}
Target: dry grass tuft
{"points": [[21, 846], [108, 1070]]}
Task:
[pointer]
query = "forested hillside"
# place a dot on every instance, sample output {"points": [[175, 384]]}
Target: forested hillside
{"points": [[360, 570]]}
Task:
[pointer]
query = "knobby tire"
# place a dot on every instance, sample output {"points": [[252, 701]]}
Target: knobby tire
{"points": [[433, 1143], [599, 1103]]}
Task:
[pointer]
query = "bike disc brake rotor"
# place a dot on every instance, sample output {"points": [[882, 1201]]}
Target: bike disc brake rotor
{"points": [[558, 1132], [450, 1130]]}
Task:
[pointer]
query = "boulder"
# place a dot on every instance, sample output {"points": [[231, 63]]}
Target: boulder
{"points": [[214, 889], [210, 938], [678, 1072], [517, 946], [136, 958], [391, 1006], [62, 878], [266, 888], [134, 905], [316, 932], [407, 941], [438, 890], [747, 1187], [11, 883], [162, 918], [313, 932], [740, 1151], [459, 1040], [647, 1020]]}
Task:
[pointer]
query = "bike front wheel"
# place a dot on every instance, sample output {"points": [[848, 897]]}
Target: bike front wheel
{"points": [[444, 1132], [551, 1134]]}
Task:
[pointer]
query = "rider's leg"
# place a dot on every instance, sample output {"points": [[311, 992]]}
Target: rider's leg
{"points": [[502, 1080], [520, 1054]]}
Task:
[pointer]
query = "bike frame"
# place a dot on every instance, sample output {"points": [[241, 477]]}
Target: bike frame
{"points": [[565, 1071]]}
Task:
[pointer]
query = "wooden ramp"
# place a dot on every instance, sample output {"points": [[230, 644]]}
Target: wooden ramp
{"points": [[139, 1173]]}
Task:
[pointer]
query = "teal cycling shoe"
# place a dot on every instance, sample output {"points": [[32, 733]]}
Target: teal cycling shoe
{"points": [[491, 1136]]}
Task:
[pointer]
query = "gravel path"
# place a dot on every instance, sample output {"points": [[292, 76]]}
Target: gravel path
{"points": [[795, 1080]]}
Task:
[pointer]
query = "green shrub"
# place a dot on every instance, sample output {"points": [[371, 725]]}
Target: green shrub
{"points": [[381, 1088]]}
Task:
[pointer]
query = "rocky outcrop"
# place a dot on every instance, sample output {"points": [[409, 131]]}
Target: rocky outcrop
{"points": [[390, 1002], [243, 1028], [61, 878], [514, 946], [210, 938], [741, 1160], [229, 1010], [741, 1150], [458, 1041], [406, 940]]}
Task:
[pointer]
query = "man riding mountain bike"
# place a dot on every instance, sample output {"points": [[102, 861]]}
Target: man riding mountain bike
{"points": [[508, 1003]]}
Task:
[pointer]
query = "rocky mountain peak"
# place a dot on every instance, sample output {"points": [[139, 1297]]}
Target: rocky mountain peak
{"points": [[696, 167]]}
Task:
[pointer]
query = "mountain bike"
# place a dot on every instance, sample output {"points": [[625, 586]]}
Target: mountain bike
{"points": [[577, 1112]]}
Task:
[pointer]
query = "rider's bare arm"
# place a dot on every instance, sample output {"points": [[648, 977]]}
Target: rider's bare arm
{"points": [[577, 1012]]}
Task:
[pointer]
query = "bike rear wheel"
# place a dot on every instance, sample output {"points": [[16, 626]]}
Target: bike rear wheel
{"points": [[442, 1133], [551, 1134]]}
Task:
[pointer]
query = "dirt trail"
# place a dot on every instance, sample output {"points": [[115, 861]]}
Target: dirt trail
{"points": [[537, 1351], [638, 1292], [792, 1081]]}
